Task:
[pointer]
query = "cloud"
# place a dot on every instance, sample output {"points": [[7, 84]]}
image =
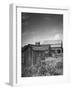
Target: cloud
{"points": [[58, 37]]}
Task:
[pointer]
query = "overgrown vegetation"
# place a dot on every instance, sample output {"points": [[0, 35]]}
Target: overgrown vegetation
{"points": [[47, 68]]}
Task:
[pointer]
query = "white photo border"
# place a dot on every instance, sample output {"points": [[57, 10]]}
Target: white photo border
{"points": [[17, 79]]}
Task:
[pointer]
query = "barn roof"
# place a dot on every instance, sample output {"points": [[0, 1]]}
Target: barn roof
{"points": [[40, 47]]}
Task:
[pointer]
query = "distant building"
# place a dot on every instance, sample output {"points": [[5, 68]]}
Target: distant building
{"points": [[32, 54]]}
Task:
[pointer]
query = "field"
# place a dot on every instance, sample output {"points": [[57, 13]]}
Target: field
{"points": [[51, 66]]}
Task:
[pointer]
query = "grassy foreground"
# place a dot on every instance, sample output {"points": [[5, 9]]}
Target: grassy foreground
{"points": [[49, 67]]}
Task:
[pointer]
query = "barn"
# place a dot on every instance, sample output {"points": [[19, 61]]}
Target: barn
{"points": [[35, 53]]}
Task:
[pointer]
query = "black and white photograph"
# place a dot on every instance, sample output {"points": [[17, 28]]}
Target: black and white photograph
{"points": [[41, 44]]}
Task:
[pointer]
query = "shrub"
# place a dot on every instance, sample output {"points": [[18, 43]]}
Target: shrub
{"points": [[42, 71], [59, 65]]}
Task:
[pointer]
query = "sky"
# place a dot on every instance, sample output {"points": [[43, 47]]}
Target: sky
{"points": [[40, 27]]}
